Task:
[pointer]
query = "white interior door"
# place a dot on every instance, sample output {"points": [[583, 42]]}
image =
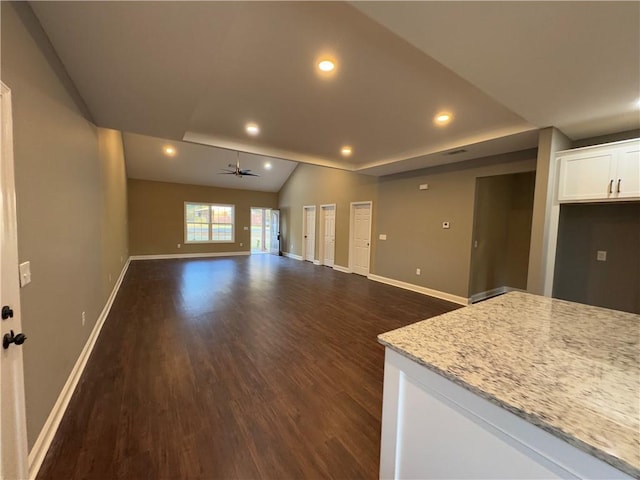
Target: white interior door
{"points": [[274, 245], [329, 235], [361, 238], [309, 233], [13, 431]]}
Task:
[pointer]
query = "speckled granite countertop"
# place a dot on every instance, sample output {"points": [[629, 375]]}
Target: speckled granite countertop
{"points": [[570, 369]]}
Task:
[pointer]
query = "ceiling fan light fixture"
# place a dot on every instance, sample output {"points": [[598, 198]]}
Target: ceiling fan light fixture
{"points": [[252, 128]]}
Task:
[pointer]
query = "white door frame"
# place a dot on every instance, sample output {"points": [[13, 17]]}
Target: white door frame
{"points": [[304, 230], [323, 209], [352, 209], [13, 428]]}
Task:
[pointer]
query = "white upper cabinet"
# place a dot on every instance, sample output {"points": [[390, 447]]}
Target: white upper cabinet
{"points": [[601, 173], [628, 172]]}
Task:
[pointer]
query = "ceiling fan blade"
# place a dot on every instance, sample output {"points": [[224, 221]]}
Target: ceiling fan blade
{"points": [[249, 174], [227, 173]]}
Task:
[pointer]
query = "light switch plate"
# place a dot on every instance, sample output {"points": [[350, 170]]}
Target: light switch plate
{"points": [[382, 236], [601, 256], [424, 186], [25, 273], [246, 228]]}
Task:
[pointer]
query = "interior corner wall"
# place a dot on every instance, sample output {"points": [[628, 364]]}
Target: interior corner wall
{"points": [[412, 220], [545, 211], [315, 185], [114, 223], [69, 180], [156, 216]]}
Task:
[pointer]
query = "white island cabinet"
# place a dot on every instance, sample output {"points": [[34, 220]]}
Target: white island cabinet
{"points": [[519, 386], [609, 172]]}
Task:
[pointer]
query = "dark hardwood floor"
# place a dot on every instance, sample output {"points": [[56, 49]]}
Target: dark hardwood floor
{"points": [[243, 367]]}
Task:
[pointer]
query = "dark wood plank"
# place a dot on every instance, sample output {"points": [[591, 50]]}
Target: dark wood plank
{"points": [[246, 367]]}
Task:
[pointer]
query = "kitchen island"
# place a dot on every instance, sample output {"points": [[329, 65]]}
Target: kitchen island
{"points": [[519, 386]]}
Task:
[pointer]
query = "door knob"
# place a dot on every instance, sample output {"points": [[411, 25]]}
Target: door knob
{"points": [[7, 312], [10, 338]]}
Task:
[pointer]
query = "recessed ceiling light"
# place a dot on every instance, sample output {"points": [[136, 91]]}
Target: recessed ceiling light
{"points": [[442, 118], [169, 151], [252, 129], [346, 151], [267, 165], [326, 65]]}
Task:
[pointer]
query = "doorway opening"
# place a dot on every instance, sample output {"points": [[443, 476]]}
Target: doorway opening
{"points": [[260, 230], [501, 234], [265, 231]]}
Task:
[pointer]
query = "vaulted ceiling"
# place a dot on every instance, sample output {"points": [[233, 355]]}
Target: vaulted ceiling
{"points": [[198, 72]]}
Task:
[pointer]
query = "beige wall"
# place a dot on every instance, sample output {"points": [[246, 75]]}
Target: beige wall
{"points": [[314, 185], [156, 216], [412, 220], [69, 180]]}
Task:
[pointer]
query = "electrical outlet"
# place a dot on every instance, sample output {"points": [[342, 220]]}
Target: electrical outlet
{"points": [[241, 244], [383, 236], [601, 256], [84, 318], [179, 245], [424, 186], [417, 271]]}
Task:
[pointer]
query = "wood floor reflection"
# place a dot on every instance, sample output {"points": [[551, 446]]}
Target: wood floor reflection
{"points": [[243, 367]]}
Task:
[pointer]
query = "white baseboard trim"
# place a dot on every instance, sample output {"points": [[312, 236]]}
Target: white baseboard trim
{"points": [[43, 442], [188, 255], [292, 255], [342, 269], [317, 262], [419, 289]]}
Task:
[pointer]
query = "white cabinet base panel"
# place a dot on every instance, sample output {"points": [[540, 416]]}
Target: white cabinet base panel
{"points": [[433, 428]]}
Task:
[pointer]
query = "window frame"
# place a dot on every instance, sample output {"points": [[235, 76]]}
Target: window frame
{"points": [[233, 223]]}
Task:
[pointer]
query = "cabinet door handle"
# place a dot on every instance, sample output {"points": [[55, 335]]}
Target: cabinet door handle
{"points": [[611, 186], [619, 180]]}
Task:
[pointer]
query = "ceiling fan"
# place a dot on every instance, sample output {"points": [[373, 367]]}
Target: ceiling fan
{"points": [[237, 171]]}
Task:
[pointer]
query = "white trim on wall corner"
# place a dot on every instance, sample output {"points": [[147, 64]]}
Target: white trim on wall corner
{"points": [[419, 289], [292, 255], [342, 269], [43, 442], [188, 255]]}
